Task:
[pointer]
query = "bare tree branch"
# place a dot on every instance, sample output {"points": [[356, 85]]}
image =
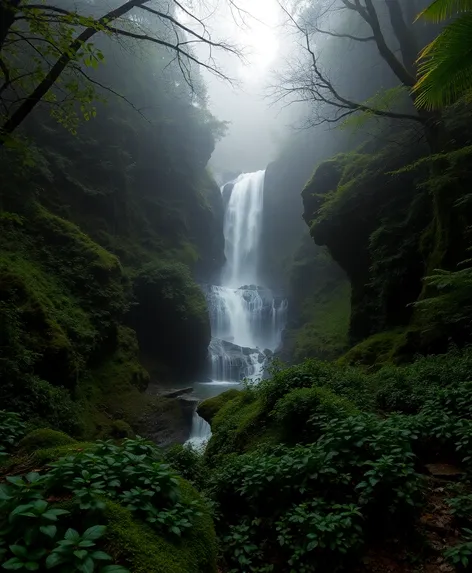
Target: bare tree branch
{"points": [[348, 36], [80, 71], [313, 85], [184, 35], [175, 47]]}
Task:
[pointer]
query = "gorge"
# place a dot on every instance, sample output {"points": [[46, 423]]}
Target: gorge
{"points": [[236, 286]]}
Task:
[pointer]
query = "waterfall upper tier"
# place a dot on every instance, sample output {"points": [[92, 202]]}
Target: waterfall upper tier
{"points": [[242, 230]]}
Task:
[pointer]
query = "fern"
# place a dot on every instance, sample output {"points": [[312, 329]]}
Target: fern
{"points": [[445, 65], [441, 10]]}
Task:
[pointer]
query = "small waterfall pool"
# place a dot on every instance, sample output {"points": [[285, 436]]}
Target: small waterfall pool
{"points": [[247, 320]]}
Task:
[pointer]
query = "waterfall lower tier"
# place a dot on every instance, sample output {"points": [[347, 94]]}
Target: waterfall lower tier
{"points": [[200, 433]]}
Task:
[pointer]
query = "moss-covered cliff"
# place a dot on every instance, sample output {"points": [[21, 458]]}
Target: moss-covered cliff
{"points": [[374, 211], [104, 234]]}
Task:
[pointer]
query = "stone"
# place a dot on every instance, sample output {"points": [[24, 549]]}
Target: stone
{"points": [[177, 393], [444, 471]]}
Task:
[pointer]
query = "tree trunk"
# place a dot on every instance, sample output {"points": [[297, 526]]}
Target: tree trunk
{"points": [[8, 9], [404, 35]]}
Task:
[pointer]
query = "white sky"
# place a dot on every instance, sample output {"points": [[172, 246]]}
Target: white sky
{"points": [[255, 128]]}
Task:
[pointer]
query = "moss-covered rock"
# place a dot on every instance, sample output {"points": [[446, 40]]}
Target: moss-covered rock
{"points": [[44, 438], [238, 426], [169, 301], [208, 409], [143, 550], [372, 221]]}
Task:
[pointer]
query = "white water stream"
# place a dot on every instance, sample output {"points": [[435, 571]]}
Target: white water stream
{"points": [[246, 319]]}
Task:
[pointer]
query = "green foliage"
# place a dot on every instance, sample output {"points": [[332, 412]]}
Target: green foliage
{"points": [[347, 468], [12, 428], [460, 555], [35, 532], [188, 461], [300, 409], [315, 505], [44, 438], [143, 551], [319, 536], [444, 70], [132, 474]]}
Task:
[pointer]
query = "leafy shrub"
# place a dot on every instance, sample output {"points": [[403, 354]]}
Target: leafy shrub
{"points": [[283, 380], [298, 409], [461, 507], [130, 474], [12, 428], [34, 535], [407, 388], [460, 555], [44, 438], [318, 536]]}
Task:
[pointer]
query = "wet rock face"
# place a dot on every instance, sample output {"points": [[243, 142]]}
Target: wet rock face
{"points": [[169, 420]]}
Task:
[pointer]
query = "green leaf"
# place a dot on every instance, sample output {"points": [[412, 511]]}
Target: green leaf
{"points": [[53, 560], [72, 535], [13, 564], [94, 532], [18, 550], [100, 556], [32, 566], [81, 553], [49, 530], [88, 566]]}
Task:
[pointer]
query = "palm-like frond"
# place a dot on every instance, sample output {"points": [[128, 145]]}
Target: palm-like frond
{"points": [[445, 68], [441, 10]]}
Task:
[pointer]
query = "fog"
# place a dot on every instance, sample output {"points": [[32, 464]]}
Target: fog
{"points": [[256, 126]]}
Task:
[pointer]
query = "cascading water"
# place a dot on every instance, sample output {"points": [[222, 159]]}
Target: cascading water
{"points": [[246, 319]]}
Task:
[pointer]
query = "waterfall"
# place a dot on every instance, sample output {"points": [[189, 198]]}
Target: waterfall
{"points": [[247, 320]]}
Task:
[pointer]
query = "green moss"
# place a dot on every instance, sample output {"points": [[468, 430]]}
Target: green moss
{"points": [[42, 439], [324, 333], [382, 348], [62, 299], [209, 408], [239, 426], [320, 306], [36, 460], [142, 550]]}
